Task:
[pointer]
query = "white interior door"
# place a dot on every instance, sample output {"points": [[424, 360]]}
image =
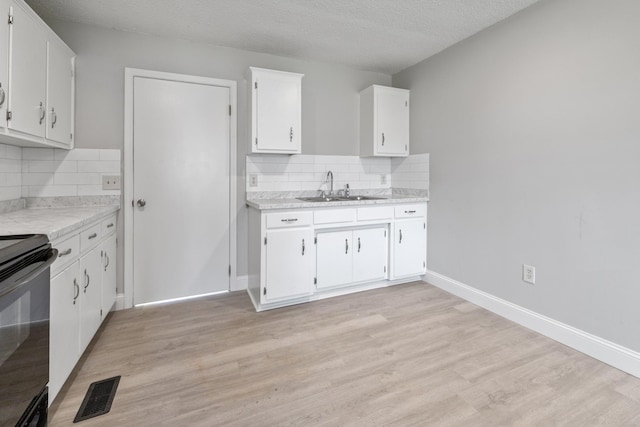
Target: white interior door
{"points": [[181, 140]]}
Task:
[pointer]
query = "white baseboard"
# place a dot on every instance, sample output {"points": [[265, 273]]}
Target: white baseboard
{"points": [[119, 302], [608, 352], [241, 284]]}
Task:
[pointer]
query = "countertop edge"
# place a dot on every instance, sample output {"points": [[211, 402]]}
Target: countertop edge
{"points": [[272, 204]]}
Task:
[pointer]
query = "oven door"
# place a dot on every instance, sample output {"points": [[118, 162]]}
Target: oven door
{"points": [[24, 334]]}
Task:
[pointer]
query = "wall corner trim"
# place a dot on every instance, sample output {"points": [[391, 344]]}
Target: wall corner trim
{"points": [[608, 352], [241, 284]]}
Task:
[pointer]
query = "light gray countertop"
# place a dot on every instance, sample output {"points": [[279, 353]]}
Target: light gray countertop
{"points": [[267, 204], [54, 222]]}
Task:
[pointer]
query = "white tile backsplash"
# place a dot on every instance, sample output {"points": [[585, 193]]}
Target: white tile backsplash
{"points": [[49, 172], [411, 172], [10, 172], [302, 172]]}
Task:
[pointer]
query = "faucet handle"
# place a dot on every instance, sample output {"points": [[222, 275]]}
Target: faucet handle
{"points": [[347, 192]]}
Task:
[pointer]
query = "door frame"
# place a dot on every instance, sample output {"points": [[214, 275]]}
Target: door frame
{"points": [[129, 75]]}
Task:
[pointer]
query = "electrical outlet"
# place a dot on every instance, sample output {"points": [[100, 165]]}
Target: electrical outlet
{"points": [[253, 180], [383, 179], [529, 274], [110, 182]]}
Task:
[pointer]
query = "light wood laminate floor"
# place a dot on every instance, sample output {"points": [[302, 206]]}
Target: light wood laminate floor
{"points": [[406, 355]]}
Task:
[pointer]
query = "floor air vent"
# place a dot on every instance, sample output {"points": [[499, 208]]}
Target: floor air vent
{"points": [[98, 399]]}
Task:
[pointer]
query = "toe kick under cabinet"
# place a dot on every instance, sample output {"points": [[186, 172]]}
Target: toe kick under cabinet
{"points": [[83, 291], [304, 255]]}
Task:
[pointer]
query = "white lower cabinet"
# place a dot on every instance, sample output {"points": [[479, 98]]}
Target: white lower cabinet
{"points": [[64, 327], [307, 254], [352, 256], [370, 254], [108, 275], [91, 296], [410, 247], [83, 290], [289, 264]]}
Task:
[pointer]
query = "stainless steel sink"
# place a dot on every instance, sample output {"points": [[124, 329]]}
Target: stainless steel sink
{"points": [[338, 198]]}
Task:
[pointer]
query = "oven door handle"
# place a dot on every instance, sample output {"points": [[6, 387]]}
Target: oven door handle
{"points": [[51, 257]]}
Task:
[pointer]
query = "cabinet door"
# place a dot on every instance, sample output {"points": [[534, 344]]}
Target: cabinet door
{"points": [[410, 248], [108, 275], [393, 122], [289, 264], [64, 331], [59, 90], [370, 249], [334, 259], [278, 106], [27, 75], [5, 6], [90, 296]]}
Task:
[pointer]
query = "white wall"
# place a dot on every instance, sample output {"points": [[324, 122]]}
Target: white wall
{"points": [[10, 172], [533, 127], [330, 105]]}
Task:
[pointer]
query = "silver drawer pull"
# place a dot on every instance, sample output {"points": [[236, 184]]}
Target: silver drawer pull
{"points": [[289, 219], [409, 212], [93, 236], [64, 253], [346, 246], [303, 247], [110, 225], [77, 289], [400, 236], [87, 280]]}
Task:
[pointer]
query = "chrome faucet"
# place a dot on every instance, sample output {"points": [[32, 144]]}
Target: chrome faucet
{"points": [[330, 176]]}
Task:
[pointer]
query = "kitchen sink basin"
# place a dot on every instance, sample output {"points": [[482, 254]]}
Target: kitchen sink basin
{"points": [[338, 198]]}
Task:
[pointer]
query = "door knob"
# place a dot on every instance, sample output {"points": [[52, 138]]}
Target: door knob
{"points": [[141, 203]]}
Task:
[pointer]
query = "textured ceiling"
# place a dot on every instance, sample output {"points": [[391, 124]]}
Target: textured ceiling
{"points": [[377, 35]]}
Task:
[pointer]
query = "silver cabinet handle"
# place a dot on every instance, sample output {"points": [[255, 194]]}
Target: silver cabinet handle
{"points": [[64, 253], [87, 280], [106, 257], [141, 203], [3, 95], [77, 289], [42, 112], [382, 138], [346, 246], [54, 117], [303, 247], [400, 236], [291, 134], [358, 244], [92, 236], [110, 225]]}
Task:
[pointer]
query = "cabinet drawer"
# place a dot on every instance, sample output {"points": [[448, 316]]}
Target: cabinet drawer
{"points": [[289, 219], [108, 225], [371, 214], [409, 211], [68, 251], [329, 216], [90, 237]]}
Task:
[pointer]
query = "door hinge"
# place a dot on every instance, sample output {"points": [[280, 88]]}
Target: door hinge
{"points": [[385, 268], [406, 103], [424, 225], [265, 240], [264, 291], [256, 141], [229, 109], [255, 85], [71, 136], [405, 148], [315, 280], [315, 240], [101, 313], [385, 233], [9, 115], [424, 264], [229, 270], [10, 19]]}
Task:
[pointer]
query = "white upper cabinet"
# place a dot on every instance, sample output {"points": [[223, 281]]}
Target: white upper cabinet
{"points": [[59, 93], [275, 99], [384, 122], [28, 75], [39, 109], [4, 66]]}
